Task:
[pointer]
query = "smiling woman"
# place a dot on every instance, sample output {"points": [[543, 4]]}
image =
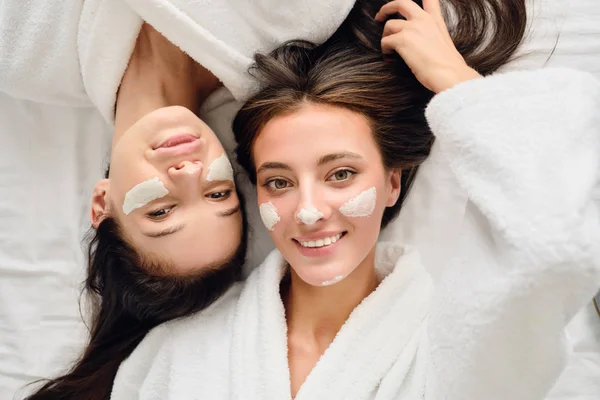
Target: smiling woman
{"points": [[344, 175], [161, 195]]}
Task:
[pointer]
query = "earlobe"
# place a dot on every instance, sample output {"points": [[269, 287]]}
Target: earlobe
{"points": [[99, 209], [395, 180]]}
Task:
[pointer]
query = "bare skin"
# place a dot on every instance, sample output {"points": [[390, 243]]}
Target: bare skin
{"points": [[159, 75]]}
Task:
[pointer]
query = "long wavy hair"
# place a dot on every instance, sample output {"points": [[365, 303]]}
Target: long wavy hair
{"points": [[349, 71], [127, 300]]}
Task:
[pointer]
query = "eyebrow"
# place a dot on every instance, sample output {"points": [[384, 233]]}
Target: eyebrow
{"points": [[323, 160], [337, 156], [177, 228], [272, 165], [165, 232]]}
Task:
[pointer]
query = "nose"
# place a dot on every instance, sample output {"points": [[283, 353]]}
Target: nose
{"points": [[186, 173], [312, 206]]}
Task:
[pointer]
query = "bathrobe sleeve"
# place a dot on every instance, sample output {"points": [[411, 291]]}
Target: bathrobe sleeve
{"points": [[526, 148]]}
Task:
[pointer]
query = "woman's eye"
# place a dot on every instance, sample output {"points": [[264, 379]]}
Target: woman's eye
{"points": [[342, 175], [158, 214], [277, 184], [219, 195]]}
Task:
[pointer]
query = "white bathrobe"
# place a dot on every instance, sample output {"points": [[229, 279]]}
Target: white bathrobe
{"points": [[526, 148], [61, 63]]}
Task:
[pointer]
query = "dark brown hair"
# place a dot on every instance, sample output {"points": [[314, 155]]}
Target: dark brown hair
{"points": [[127, 301], [349, 71]]}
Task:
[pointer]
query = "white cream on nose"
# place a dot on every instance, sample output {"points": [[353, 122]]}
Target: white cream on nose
{"points": [[309, 216]]}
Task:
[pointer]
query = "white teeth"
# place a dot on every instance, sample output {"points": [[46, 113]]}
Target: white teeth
{"points": [[322, 242]]}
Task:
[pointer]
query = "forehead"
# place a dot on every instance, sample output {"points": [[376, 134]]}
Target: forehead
{"points": [[314, 130]]}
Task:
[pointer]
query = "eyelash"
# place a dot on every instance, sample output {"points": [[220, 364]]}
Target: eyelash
{"points": [[350, 171], [269, 183], [167, 210], [154, 214], [225, 195]]}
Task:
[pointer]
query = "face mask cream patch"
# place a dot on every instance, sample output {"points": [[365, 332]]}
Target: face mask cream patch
{"points": [[194, 170], [361, 205], [143, 193], [269, 216], [309, 216], [333, 281], [220, 170]]}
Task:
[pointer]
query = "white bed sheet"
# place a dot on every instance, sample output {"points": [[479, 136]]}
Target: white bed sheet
{"points": [[51, 156]]}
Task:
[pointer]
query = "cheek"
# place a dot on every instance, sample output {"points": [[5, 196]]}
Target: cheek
{"points": [[276, 213], [220, 169], [143, 193], [364, 210], [365, 229], [361, 205]]}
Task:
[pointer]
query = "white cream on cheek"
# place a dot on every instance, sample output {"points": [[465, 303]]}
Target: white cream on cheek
{"points": [[361, 205], [269, 216], [220, 170], [143, 193], [309, 216]]}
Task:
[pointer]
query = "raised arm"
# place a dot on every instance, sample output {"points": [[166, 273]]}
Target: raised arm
{"points": [[526, 148]]}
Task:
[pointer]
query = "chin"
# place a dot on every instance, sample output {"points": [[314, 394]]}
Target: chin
{"points": [[325, 274], [172, 116]]}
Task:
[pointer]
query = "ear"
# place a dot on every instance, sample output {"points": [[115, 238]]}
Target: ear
{"points": [[394, 180], [99, 209]]}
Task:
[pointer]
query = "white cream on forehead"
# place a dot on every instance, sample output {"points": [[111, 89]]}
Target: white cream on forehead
{"points": [[332, 281], [220, 170], [361, 205], [143, 193], [269, 216], [309, 216]]}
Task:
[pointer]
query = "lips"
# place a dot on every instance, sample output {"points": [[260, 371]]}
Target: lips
{"points": [[176, 140], [178, 145]]}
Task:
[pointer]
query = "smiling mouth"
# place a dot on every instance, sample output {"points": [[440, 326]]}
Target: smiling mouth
{"points": [[327, 241]]}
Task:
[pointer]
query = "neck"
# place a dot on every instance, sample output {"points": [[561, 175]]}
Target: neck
{"points": [[316, 314], [159, 75]]}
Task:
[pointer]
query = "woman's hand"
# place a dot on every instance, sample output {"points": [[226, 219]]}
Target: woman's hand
{"points": [[423, 42]]}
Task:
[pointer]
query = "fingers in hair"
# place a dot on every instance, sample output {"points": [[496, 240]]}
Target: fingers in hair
{"points": [[407, 8]]}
